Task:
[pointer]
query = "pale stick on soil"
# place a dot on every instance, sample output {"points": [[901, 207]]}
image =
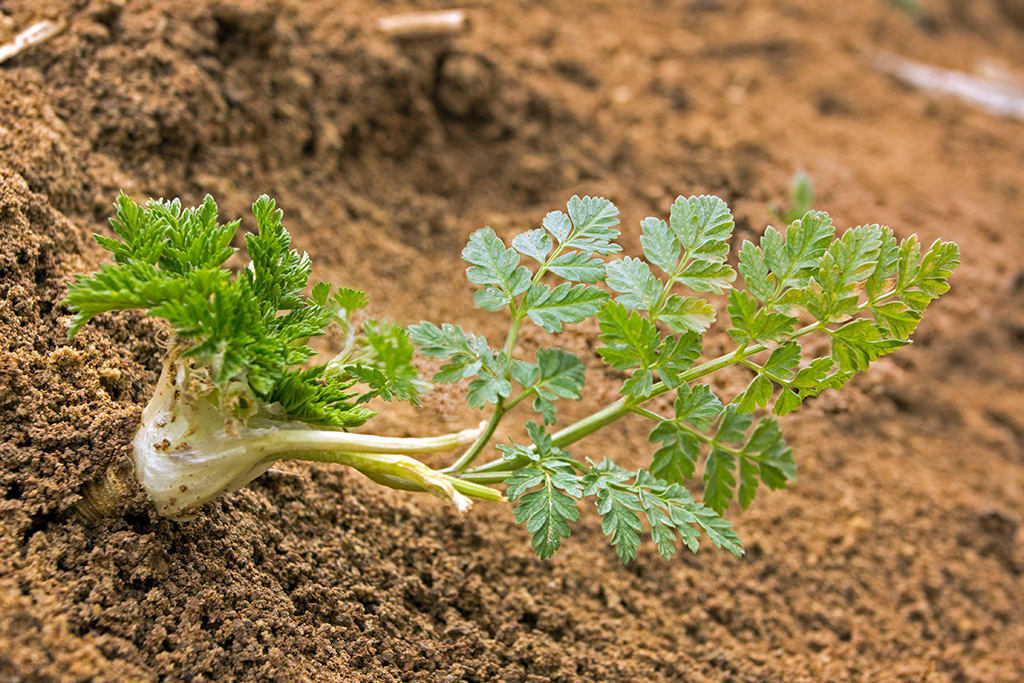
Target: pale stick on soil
{"points": [[993, 96], [423, 24], [33, 35]]}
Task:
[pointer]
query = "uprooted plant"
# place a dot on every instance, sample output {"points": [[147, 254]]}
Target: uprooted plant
{"points": [[237, 394]]}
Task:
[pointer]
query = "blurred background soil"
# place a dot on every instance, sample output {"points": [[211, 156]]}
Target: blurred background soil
{"points": [[897, 556]]}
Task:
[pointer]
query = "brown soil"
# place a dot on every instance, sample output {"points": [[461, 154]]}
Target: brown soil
{"points": [[896, 557]]}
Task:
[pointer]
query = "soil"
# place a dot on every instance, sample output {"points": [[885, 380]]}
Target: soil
{"points": [[897, 556]]}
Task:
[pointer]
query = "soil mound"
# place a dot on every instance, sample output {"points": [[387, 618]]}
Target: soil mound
{"points": [[896, 557]]}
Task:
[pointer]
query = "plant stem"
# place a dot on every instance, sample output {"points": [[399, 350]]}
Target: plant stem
{"points": [[624, 406], [497, 471], [403, 473], [283, 440], [614, 411], [467, 458]]}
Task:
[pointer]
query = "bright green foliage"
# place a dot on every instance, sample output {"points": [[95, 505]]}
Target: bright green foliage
{"points": [[548, 488], [633, 341], [863, 292], [566, 303], [251, 327], [557, 374]]}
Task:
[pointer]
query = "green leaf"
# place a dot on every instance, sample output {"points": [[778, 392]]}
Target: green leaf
{"points": [[629, 339], [493, 264], [857, 343], [787, 402], [896, 318], [661, 248], [633, 278], [748, 483], [525, 373], [849, 260], [774, 459], [675, 460], [703, 226], [756, 395], [467, 353], [487, 389], [593, 220], [640, 384], [633, 341], [525, 478], [757, 277], [388, 368], [566, 303], [673, 506], [783, 360], [920, 280], [349, 300], [546, 512], [888, 255], [754, 324], [557, 374], [675, 355], [720, 531], [687, 314], [697, 405], [619, 521], [491, 298], [733, 426], [578, 267], [719, 480], [559, 225], [794, 258], [707, 276], [534, 243], [662, 527], [561, 374]]}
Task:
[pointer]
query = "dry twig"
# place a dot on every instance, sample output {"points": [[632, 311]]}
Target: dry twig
{"points": [[423, 24], [33, 35], [994, 96]]}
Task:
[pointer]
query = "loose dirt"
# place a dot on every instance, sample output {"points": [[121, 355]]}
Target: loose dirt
{"points": [[897, 556]]}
